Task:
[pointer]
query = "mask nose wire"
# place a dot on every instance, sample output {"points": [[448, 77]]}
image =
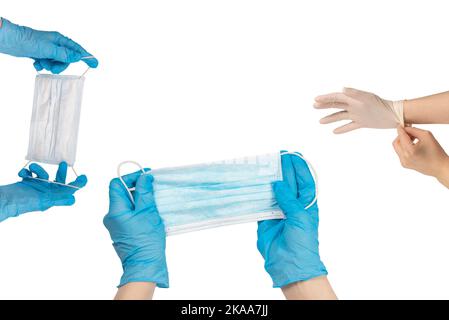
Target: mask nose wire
{"points": [[314, 175], [119, 175]]}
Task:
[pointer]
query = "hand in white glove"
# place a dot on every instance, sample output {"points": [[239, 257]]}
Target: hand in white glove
{"points": [[363, 109]]}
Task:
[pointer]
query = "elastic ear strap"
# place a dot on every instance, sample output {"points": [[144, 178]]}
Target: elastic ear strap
{"points": [[54, 182], [119, 175], [314, 175]]}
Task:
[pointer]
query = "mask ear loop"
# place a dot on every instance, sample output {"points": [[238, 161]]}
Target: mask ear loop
{"points": [[53, 182], [314, 175], [119, 175]]}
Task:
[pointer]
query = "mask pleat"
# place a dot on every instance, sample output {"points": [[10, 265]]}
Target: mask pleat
{"points": [[55, 119], [212, 193]]}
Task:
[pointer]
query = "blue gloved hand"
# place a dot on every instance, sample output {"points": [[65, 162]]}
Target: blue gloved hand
{"points": [[290, 246], [50, 50], [37, 195], [137, 231]]}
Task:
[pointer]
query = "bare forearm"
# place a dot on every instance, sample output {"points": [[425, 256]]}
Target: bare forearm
{"points": [[314, 289], [136, 291], [431, 109]]}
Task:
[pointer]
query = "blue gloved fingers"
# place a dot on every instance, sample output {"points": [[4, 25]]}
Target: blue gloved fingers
{"points": [[91, 62], [67, 201], [38, 171], [143, 195], [119, 196], [305, 181], [61, 174], [51, 51], [79, 182], [25, 173], [131, 179], [119, 200], [37, 65], [292, 208], [288, 171], [55, 67], [69, 43]]}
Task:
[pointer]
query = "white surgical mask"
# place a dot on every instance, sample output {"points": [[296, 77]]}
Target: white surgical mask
{"points": [[55, 119], [215, 194]]}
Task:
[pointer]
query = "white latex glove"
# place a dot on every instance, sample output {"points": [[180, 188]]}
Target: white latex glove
{"points": [[363, 109]]}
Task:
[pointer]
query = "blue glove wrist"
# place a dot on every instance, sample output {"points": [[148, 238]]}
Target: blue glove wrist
{"points": [[137, 231], [290, 247], [146, 271]]}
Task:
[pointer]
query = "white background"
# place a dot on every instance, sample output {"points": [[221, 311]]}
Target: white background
{"points": [[183, 82]]}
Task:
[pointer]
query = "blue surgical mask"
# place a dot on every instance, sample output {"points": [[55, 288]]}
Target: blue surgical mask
{"points": [[220, 193]]}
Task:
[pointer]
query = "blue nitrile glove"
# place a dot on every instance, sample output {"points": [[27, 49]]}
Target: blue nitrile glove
{"points": [[37, 195], [50, 50], [137, 231], [290, 246]]}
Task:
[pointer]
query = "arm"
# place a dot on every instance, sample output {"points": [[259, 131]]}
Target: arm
{"points": [[431, 109], [39, 194], [136, 291], [50, 50], [138, 235], [314, 289], [367, 110], [290, 246], [418, 149]]}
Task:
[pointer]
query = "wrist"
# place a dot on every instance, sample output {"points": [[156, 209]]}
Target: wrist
{"points": [[145, 270], [136, 291], [282, 275], [443, 174], [317, 288]]}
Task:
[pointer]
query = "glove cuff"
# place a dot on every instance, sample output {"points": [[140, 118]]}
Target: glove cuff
{"points": [[155, 272], [397, 107], [283, 275]]}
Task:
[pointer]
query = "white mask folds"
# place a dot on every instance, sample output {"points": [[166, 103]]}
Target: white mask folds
{"points": [[55, 119]]}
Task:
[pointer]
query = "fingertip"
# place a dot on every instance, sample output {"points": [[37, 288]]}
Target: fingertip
{"points": [[92, 63], [24, 173], [37, 65], [61, 174], [39, 171], [63, 165], [70, 201], [80, 181]]}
